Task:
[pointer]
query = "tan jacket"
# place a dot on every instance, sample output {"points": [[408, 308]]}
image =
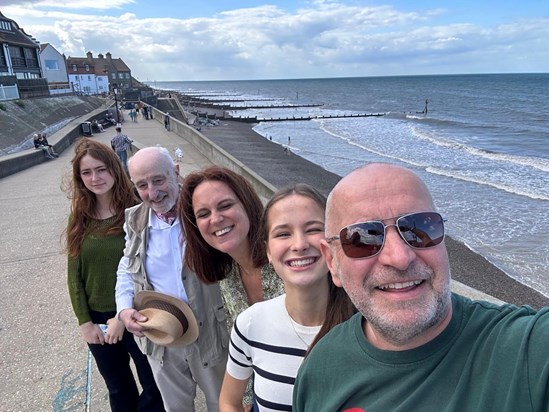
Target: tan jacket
{"points": [[205, 300]]}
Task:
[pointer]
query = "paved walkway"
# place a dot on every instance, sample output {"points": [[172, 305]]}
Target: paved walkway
{"points": [[43, 359]]}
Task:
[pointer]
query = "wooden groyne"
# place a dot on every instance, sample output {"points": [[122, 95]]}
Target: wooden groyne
{"points": [[255, 119], [273, 106], [221, 109]]}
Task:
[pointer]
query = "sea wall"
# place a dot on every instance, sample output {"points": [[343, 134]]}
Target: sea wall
{"points": [[216, 154], [19, 119], [60, 140]]}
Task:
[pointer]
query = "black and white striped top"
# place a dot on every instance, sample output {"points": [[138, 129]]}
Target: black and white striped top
{"points": [[267, 342]]}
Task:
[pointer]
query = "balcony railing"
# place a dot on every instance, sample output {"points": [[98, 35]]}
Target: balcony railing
{"points": [[32, 62], [18, 62]]}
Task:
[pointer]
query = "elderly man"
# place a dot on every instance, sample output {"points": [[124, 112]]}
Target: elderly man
{"points": [[414, 346], [153, 261]]}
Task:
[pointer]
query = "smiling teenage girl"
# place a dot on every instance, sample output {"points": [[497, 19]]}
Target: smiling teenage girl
{"points": [[271, 338]]}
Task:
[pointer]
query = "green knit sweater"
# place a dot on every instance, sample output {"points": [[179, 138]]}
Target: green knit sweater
{"points": [[92, 274]]}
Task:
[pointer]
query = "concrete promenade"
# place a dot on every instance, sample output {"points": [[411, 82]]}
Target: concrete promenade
{"points": [[44, 361]]}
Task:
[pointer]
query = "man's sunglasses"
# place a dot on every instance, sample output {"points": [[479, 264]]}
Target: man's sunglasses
{"points": [[366, 239]]}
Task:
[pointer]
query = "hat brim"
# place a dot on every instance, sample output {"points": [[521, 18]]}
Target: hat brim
{"points": [[141, 300]]}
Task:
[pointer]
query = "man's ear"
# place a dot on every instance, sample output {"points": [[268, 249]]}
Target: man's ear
{"points": [[176, 168], [329, 257]]}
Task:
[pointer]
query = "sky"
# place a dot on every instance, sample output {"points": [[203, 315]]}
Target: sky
{"points": [[253, 39]]}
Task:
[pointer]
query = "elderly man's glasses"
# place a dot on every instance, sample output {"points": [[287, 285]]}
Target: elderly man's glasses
{"points": [[366, 239]]}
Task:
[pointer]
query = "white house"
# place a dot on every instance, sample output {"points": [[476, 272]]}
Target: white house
{"points": [[54, 68]]}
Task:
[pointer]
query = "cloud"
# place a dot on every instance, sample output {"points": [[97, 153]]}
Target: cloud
{"points": [[72, 5], [324, 39]]}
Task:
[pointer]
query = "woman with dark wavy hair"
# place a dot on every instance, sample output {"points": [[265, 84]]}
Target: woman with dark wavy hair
{"points": [[100, 191], [221, 213]]}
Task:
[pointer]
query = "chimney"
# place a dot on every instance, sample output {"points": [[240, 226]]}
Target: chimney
{"points": [[108, 56], [90, 56], [100, 56]]}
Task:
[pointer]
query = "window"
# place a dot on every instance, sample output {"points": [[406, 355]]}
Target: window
{"points": [[29, 53], [127, 75], [5, 25], [99, 78], [52, 64], [15, 51], [89, 77], [113, 75], [74, 67], [87, 67], [120, 75]]}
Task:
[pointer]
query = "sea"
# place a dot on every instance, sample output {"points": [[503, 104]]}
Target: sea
{"points": [[480, 142]]}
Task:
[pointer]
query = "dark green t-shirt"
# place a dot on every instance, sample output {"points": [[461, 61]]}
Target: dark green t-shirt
{"points": [[489, 358]]}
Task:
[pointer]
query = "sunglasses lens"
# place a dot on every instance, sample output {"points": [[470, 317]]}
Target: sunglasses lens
{"points": [[419, 230], [362, 240], [422, 230]]}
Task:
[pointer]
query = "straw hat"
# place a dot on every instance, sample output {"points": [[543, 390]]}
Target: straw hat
{"points": [[170, 321]]}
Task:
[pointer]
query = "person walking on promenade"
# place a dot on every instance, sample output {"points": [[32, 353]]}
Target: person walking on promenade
{"points": [[167, 121], [100, 191], [153, 260], [221, 214], [272, 337], [40, 142], [133, 115], [121, 143], [414, 346]]}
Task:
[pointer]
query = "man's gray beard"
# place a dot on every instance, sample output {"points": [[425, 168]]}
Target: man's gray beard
{"points": [[397, 334]]}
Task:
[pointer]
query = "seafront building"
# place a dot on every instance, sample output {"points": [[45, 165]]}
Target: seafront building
{"points": [[98, 75], [30, 69], [54, 68], [20, 70]]}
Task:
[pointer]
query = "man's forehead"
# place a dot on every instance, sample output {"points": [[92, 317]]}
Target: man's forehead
{"points": [[148, 175], [377, 192]]}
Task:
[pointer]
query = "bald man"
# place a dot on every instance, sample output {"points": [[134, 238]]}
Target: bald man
{"points": [[153, 260], [414, 346]]}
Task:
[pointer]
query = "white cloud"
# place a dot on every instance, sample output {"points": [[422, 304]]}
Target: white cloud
{"points": [[328, 38], [72, 4]]}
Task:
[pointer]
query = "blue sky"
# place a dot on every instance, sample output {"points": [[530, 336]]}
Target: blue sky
{"points": [[252, 39]]}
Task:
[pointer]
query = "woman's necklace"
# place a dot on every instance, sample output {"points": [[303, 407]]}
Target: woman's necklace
{"points": [[292, 323]]}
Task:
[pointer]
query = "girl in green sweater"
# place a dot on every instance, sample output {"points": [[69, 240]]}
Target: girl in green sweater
{"points": [[100, 191]]}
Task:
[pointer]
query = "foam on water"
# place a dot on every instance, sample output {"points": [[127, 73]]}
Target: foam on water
{"points": [[482, 148]]}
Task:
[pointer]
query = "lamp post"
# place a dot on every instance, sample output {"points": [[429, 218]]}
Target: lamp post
{"points": [[115, 91]]}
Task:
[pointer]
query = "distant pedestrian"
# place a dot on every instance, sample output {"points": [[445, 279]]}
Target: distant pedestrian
{"points": [[120, 143], [167, 121], [40, 142], [133, 115]]}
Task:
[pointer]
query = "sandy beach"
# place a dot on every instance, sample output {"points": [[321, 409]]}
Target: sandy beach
{"points": [[283, 169]]}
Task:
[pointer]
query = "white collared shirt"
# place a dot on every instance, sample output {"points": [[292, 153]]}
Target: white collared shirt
{"points": [[163, 263]]}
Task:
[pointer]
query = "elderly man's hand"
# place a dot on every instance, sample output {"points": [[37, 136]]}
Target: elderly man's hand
{"points": [[130, 317]]}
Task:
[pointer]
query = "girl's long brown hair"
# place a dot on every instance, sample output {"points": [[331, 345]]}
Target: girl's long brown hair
{"points": [[209, 264], [339, 307], [84, 202]]}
